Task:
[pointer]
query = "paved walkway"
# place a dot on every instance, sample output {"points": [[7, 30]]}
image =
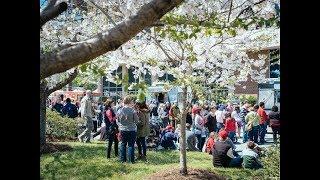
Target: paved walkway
{"points": [[269, 141], [240, 146]]}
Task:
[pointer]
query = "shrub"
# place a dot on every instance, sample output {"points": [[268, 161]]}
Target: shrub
{"points": [[271, 161], [249, 98], [61, 127], [271, 164]]}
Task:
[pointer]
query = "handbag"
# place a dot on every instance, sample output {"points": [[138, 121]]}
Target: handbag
{"points": [[249, 126]]}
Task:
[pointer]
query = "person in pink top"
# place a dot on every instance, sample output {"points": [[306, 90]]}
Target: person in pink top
{"points": [[199, 123], [111, 127]]}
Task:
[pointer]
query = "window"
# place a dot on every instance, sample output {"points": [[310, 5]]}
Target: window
{"points": [[167, 77], [274, 63]]}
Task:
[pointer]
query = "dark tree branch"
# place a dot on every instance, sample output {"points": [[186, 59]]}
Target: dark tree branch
{"points": [[63, 83], [247, 8], [57, 62], [230, 10], [103, 11], [52, 12]]}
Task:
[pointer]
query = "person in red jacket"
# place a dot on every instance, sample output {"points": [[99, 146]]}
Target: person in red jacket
{"points": [[230, 126], [210, 143], [262, 123]]}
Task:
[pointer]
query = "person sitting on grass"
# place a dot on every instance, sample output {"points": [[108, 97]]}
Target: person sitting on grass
{"points": [[250, 156], [191, 139], [168, 137], [102, 133], [222, 152], [210, 143], [229, 141], [177, 131]]}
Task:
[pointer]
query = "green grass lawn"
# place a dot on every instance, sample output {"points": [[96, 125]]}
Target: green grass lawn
{"points": [[88, 161]]}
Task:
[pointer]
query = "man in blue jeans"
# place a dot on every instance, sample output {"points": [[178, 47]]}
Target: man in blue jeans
{"points": [[253, 118], [127, 120], [262, 123], [127, 137]]}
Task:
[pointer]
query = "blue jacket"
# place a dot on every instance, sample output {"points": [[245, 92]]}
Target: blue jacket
{"points": [[58, 108], [167, 139], [70, 110]]}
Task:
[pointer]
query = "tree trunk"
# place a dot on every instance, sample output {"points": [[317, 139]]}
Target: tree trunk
{"points": [[125, 80], [43, 98], [183, 153], [100, 85], [69, 86]]}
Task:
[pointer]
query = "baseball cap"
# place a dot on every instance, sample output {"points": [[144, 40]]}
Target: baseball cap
{"points": [[223, 134]]}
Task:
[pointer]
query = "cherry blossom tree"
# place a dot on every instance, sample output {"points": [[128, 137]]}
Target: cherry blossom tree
{"points": [[193, 46], [138, 15], [200, 38]]}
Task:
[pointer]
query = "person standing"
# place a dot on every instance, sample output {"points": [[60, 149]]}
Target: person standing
{"points": [[262, 123], [143, 129], [199, 128], [127, 120], [86, 114], [230, 126], [173, 114], [236, 115], [95, 118], [119, 104], [109, 114], [252, 123], [211, 123], [274, 117], [100, 114], [189, 116], [111, 127], [243, 112], [220, 117]]}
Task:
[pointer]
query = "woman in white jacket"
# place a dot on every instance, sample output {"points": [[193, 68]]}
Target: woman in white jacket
{"points": [[199, 128]]}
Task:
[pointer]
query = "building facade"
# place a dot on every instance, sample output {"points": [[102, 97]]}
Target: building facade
{"points": [[250, 87]]}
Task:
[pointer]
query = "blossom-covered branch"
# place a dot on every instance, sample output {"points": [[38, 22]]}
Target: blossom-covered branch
{"points": [[111, 40]]}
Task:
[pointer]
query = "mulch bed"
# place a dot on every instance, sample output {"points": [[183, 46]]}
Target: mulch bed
{"points": [[193, 174], [51, 148]]}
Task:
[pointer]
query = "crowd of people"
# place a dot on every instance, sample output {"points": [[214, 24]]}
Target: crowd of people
{"points": [[213, 129]]}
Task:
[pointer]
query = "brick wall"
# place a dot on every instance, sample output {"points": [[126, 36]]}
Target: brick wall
{"points": [[250, 86]]}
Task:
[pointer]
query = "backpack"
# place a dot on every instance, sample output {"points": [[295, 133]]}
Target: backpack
{"points": [[274, 123], [249, 126]]}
